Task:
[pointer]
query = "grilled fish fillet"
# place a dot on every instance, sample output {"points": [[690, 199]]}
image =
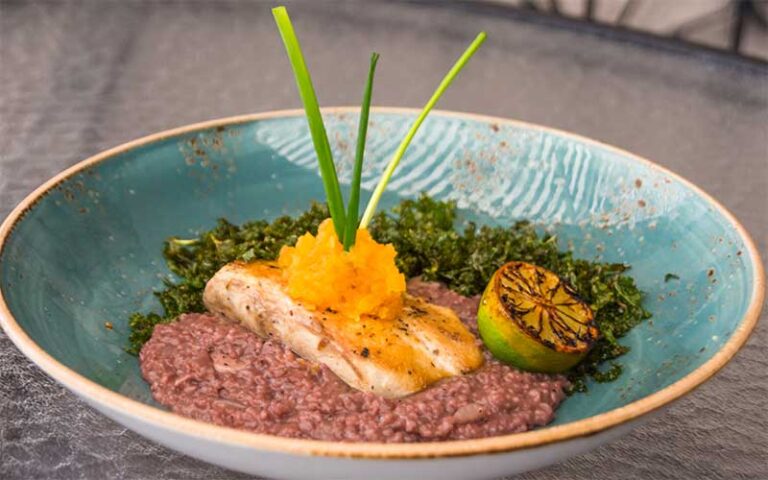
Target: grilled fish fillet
{"points": [[391, 358]]}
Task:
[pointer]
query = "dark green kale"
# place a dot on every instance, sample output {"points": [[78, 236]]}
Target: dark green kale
{"points": [[428, 243], [141, 327], [196, 260]]}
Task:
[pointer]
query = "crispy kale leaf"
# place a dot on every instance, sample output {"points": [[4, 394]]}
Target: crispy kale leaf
{"points": [[196, 260], [428, 244]]}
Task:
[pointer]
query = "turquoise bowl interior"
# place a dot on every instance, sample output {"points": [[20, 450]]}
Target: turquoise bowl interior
{"points": [[89, 250]]}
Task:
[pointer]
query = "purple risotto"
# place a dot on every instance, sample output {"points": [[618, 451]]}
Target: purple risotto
{"points": [[212, 369]]}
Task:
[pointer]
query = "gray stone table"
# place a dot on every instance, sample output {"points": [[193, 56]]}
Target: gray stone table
{"points": [[76, 78]]}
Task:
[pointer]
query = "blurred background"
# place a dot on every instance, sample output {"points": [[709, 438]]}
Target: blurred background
{"points": [[740, 26]]}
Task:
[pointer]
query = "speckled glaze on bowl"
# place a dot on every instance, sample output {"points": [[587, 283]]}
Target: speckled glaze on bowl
{"points": [[85, 249]]}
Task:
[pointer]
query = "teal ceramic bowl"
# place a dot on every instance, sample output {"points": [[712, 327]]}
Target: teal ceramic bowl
{"points": [[85, 249]]}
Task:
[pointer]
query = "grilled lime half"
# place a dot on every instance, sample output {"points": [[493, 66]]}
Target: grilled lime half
{"points": [[532, 319]]}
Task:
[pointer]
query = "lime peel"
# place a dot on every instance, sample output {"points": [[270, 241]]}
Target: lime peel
{"points": [[533, 320]]}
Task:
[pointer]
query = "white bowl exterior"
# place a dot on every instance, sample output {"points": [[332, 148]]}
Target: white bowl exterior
{"points": [[285, 466]]}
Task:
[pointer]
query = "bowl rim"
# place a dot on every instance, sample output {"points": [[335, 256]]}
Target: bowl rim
{"points": [[162, 419]]}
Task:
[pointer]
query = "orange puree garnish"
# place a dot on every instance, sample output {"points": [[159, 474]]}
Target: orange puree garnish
{"points": [[363, 281]]}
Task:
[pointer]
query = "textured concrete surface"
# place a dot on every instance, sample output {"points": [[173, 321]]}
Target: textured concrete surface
{"points": [[80, 77]]}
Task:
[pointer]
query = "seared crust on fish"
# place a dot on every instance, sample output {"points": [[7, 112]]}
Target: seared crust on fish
{"points": [[391, 358]]}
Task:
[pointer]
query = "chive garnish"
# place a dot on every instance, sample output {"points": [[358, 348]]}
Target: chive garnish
{"points": [[447, 80], [346, 223], [362, 131], [314, 119]]}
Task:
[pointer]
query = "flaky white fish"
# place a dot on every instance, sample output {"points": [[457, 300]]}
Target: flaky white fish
{"points": [[392, 358]]}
